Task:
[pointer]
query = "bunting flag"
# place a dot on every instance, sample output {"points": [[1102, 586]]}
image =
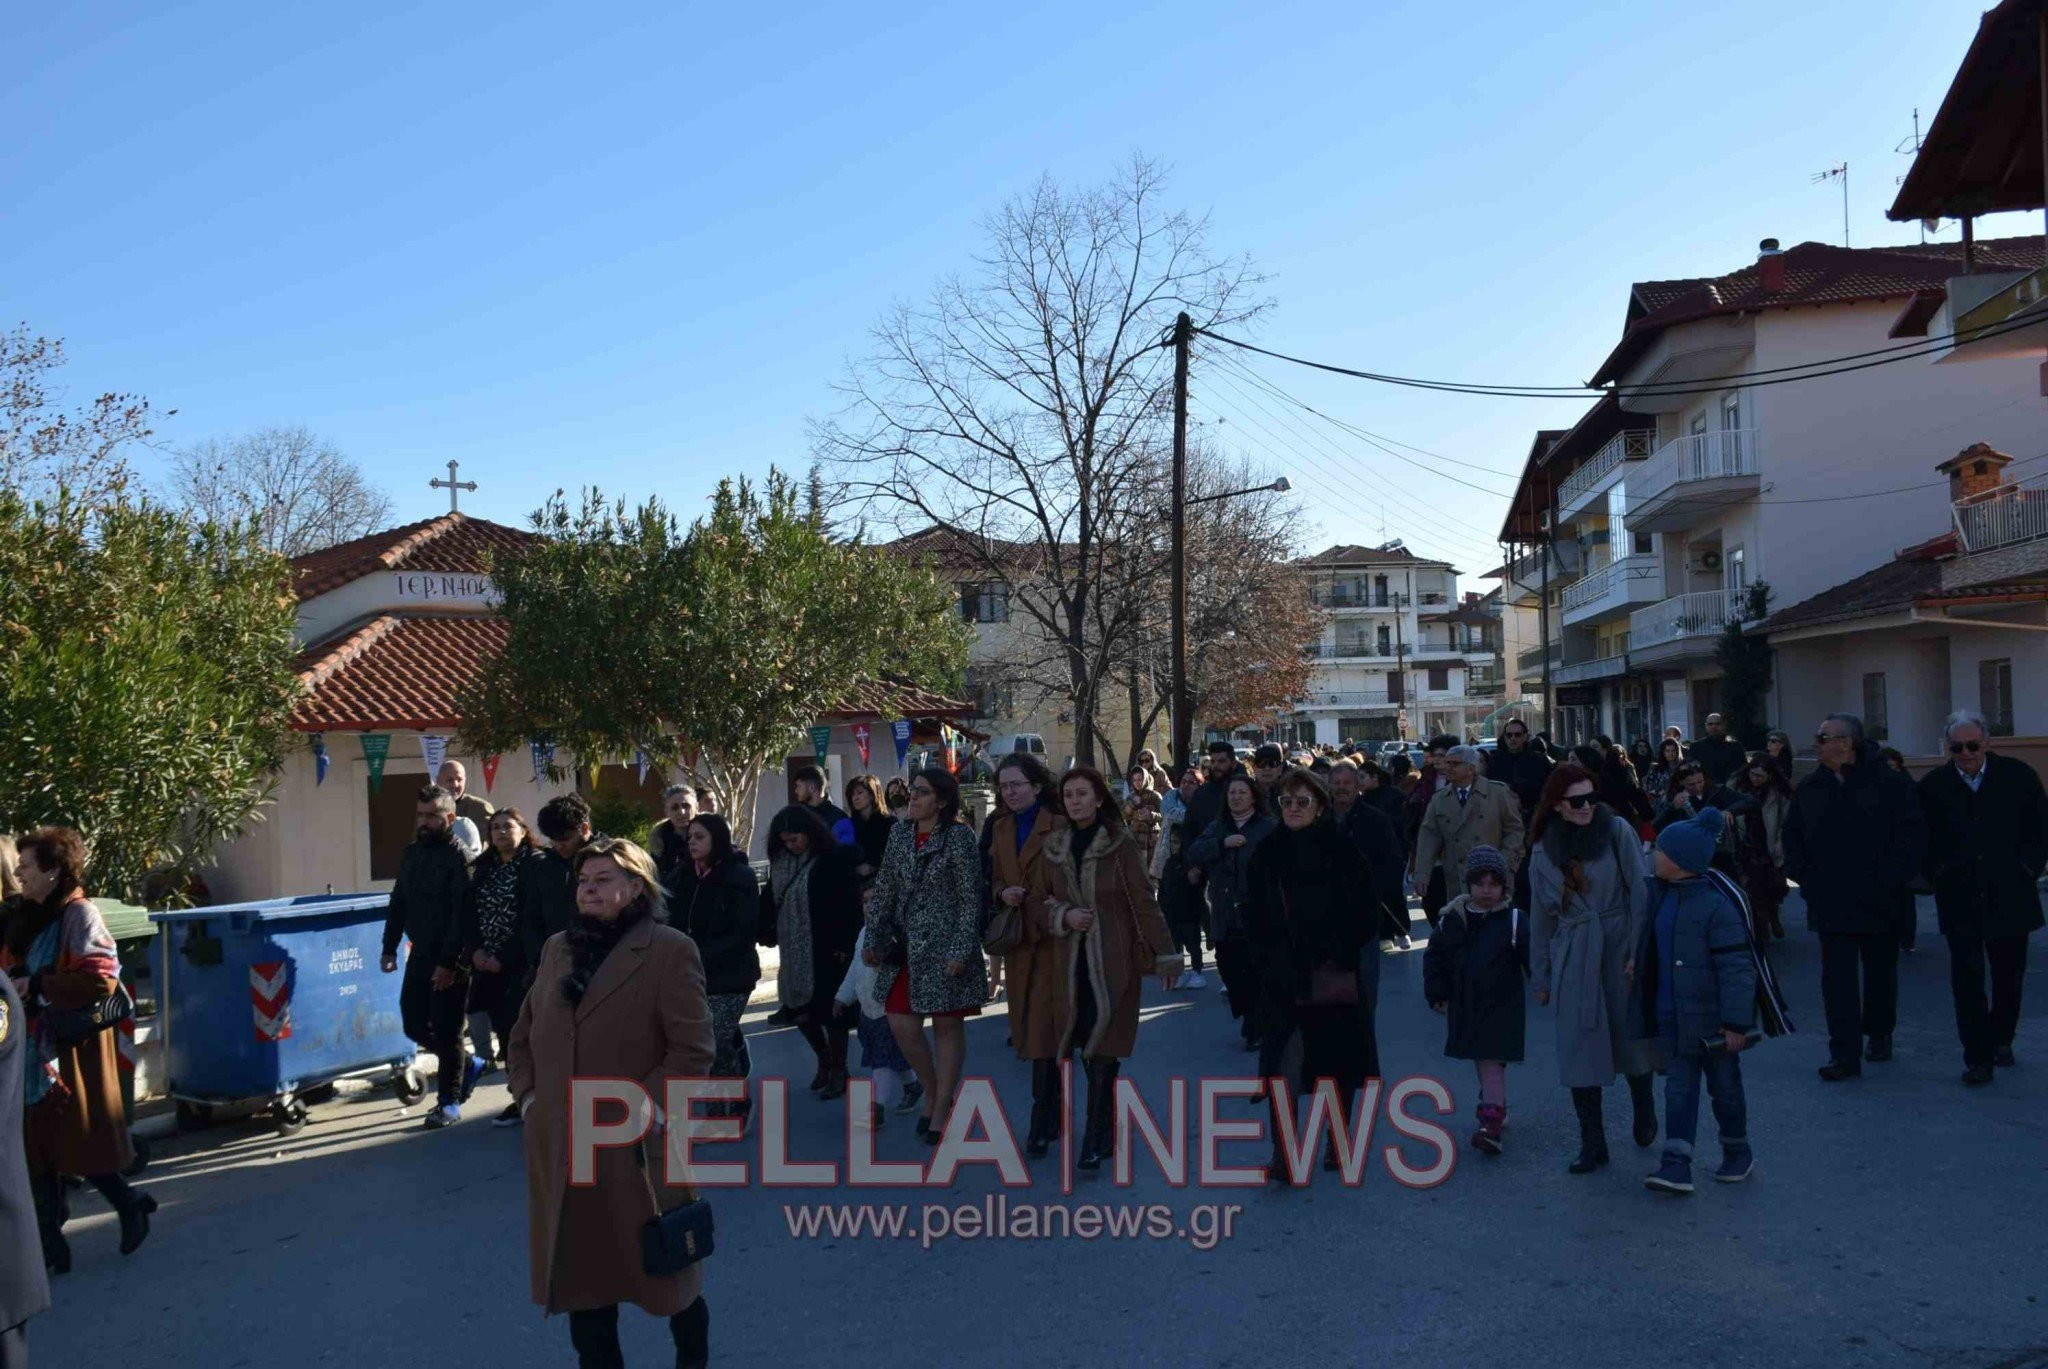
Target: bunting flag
{"points": [[948, 750], [861, 737], [490, 770], [543, 757], [433, 750], [321, 760], [900, 730], [376, 750], [640, 759], [821, 741]]}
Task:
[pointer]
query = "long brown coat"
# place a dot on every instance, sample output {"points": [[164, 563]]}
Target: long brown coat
{"points": [[82, 1127], [1036, 972], [1127, 941], [644, 1017]]}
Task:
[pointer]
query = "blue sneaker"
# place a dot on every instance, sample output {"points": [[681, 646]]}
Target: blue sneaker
{"points": [[1675, 1176], [472, 1072], [1735, 1166]]}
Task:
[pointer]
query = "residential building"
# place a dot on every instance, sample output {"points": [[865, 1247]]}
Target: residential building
{"points": [[1401, 655], [1717, 462]]}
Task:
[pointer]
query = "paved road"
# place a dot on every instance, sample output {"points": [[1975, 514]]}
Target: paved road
{"points": [[1895, 1221]]}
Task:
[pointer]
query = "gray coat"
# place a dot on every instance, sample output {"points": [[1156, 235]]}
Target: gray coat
{"points": [[1579, 944], [1226, 869], [934, 898]]}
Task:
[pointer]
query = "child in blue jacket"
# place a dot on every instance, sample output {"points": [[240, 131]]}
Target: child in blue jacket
{"points": [[1697, 981]]}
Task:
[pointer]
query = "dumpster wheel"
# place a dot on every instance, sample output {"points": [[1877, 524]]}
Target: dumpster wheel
{"points": [[194, 1116], [409, 1085], [289, 1115]]}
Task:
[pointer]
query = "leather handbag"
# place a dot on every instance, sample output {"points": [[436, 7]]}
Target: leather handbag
{"points": [[1003, 931], [672, 1241], [73, 1025]]}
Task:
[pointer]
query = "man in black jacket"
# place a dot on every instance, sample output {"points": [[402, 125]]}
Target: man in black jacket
{"points": [[1719, 754], [1380, 843], [807, 787], [426, 909], [1854, 839], [547, 901], [1987, 842]]}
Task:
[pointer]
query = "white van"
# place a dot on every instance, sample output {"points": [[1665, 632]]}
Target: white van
{"points": [[1011, 744]]}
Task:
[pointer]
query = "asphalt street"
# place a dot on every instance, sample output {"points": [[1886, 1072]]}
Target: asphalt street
{"points": [[1897, 1220]]}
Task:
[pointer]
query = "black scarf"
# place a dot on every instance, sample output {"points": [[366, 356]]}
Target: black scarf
{"points": [[1083, 838], [1566, 842], [591, 939]]}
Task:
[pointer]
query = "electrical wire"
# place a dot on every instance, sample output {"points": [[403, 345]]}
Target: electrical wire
{"points": [[1815, 370]]}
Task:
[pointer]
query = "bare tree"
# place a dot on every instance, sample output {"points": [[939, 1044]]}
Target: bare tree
{"points": [[300, 489], [1021, 411], [44, 448]]}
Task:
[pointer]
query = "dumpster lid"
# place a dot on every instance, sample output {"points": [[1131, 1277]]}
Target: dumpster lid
{"points": [[125, 921], [277, 909]]}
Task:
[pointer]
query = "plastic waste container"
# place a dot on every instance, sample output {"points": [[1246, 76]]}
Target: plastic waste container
{"points": [[269, 1000]]}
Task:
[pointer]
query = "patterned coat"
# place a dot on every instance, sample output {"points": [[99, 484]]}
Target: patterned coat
{"points": [[81, 1127], [933, 898], [1127, 941]]}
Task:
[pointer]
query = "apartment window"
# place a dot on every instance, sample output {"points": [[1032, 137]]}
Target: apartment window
{"points": [[1876, 712], [1645, 543], [1994, 695], [1379, 591], [1698, 426], [1386, 640], [992, 698], [1737, 569], [1731, 413], [1439, 677], [984, 601], [1397, 688]]}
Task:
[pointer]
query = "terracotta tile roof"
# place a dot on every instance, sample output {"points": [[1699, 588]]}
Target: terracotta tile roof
{"points": [[1346, 555], [953, 550], [402, 672], [452, 542], [1815, 273], [1912, 579]]}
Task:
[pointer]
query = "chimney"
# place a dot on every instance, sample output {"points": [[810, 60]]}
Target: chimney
{"points": [[1974, 471], [1770, 267]]}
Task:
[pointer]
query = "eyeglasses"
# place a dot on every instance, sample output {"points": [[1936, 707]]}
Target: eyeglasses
{"points": [[1578, 801], [1958, 748], [1823, 738], [1296, 801]]}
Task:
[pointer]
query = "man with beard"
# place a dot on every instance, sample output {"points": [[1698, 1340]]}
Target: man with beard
{"points": [[426, 909]]}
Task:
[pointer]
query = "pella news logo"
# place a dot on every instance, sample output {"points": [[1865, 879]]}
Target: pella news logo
{"points": [[608, 1113]]}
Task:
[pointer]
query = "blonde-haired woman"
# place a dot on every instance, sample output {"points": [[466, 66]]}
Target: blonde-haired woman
{"points": [[618, 994]]}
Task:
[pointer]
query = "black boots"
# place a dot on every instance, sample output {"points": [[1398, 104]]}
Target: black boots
{"points": [[48, 1192], [1098, 1140], [1642, 1092], [1045, 1107], [134, 1208], [1592, 1132]]}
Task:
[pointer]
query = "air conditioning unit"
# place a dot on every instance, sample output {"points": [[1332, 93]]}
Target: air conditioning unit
{"points": [[1710, 560]]}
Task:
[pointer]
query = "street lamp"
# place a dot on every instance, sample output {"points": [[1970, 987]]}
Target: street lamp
{"points": [[1280, 486]]}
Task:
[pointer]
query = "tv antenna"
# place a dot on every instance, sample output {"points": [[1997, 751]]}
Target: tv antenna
{"points": [[1840, 173], [1910, 147]]}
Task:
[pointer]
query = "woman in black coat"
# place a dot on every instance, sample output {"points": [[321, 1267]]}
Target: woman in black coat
{"points": [[869, 810], [714, 898], [1312, 913], [811, 910]]}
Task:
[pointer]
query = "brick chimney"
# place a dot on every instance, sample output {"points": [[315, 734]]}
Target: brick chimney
{"points": [[1974, 470], [1770, 267]]}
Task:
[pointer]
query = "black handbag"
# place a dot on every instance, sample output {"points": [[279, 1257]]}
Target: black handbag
{"points": [[672, 1241], [71, 1026]]}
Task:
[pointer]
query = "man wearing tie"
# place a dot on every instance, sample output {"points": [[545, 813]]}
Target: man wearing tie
{"points": [[1465, 812]]}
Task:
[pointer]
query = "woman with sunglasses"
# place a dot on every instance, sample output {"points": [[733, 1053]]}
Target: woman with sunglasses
{"points": [[1760, 833], [1586, 886], [924, 936], [1312, 915]]}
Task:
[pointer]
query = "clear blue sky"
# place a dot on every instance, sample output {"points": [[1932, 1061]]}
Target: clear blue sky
{"points": [[636, 244]]}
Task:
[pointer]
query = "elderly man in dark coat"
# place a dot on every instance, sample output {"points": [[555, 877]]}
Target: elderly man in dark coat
{"points": [[1987, 841], [1854, 840]]}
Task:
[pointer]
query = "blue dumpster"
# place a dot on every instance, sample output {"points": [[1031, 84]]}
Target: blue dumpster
{"points": [[268, 1000]]}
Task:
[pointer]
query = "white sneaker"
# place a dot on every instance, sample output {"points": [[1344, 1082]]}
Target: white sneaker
{"points": [[446, 1115], [1194, 980]]}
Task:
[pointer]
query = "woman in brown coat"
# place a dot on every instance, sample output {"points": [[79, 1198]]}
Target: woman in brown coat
{"points": [[618, 995], [61, 956], [1099, 905], [1037, 970]]}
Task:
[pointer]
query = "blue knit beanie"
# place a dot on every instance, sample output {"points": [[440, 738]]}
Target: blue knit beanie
{"points": [[1486, 860], [1691, 843]]}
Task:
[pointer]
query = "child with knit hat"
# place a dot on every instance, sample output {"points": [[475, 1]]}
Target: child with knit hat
{"points": [[1697, 979], [1472, 972]]}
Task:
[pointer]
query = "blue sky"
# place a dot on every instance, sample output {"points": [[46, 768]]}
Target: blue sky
{"points": [[637, 245]]}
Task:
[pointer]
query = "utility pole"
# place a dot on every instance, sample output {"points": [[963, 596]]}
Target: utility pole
{"points": [[1183, 707], [1543, 625], [1401, 654]]}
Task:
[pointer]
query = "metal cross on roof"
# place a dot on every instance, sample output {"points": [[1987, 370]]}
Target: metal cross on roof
{"points": [[453, 486]]}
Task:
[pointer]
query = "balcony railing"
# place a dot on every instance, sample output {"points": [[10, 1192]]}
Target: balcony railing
{"points": [[2003, 517], [1632, 445], [1532, 659], [1722, 455], [1616, 578], [1344, 598], [1602, 668], [1348, 651], [1684, 615], [1348, 699]]}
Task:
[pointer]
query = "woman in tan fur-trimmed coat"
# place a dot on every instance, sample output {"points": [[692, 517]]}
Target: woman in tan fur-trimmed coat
{"points": [[1099, 902]]}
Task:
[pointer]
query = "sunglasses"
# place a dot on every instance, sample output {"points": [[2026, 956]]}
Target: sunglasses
{"points": [[1958, 748], [1823, 738], [1296, 801], [1578, 802]]}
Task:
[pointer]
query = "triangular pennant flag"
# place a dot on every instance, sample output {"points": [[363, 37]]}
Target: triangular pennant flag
{"points": [[821, 741], [590, 772], [640, 759], [321, 760], [376, 750], [861, 737], [433, 750], [900, 730], [543, 757], [490, 770]]}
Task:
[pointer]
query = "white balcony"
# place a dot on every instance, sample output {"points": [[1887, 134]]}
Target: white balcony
{"points": [[2003, 517], [1357, 698], [1614, 590], [1682, 628], [1592, 479], [1691, 479], [1579, 672]]}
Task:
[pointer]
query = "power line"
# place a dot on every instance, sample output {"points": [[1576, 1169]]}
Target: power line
{"points": [[1815, 370]]}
